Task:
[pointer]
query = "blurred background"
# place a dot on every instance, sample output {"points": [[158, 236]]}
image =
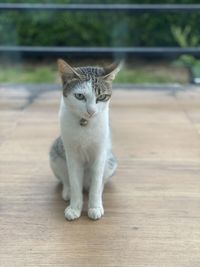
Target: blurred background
{"points": [[32, 38]]}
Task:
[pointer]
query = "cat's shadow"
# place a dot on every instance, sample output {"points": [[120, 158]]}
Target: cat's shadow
{"points": [[58, 189]]}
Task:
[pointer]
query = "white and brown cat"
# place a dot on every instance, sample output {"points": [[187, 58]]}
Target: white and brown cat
{"points": [[81, 158]]}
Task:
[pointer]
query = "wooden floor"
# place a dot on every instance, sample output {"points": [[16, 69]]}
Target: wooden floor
{"points": [[152, 204]]}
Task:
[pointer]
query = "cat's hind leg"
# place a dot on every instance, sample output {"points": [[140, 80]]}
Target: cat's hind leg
{"points": [[59, 166], [110, 167]]}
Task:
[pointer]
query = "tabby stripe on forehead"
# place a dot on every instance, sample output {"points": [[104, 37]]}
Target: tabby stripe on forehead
{"points": [[93, 74]]}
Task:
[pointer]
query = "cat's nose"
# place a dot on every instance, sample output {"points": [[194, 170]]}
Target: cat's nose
{"points": [[91, 112]]}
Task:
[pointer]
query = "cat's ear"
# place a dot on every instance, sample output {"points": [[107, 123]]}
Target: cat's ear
{"points": [[66, 71], [111, 71]]}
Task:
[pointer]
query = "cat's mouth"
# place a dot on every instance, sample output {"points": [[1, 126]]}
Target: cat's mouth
{"points": [[88, 116]]}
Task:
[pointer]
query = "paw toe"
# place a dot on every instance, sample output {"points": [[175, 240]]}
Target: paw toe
{"points": [[95, 213], [72, 214]]}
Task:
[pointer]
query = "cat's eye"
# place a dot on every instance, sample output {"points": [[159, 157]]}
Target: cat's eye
{"points": [[79, 96], [103, 98]]}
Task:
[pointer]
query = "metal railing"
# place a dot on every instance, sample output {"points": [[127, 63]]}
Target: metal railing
{"points": [[122, 8], [133, 8]]}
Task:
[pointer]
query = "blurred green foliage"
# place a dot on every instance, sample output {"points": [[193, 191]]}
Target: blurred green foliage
{"points": [[186, 38], [47, 73], [94, 29]]}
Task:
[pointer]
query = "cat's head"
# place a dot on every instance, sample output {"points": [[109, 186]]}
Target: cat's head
{"points": [[87, 90]]}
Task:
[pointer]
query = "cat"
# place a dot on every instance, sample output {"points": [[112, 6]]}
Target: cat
{"points": [[82, 158]]}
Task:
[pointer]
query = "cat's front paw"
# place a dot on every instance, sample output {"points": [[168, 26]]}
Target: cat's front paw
{"points": [[72, 214], [95, 213]]}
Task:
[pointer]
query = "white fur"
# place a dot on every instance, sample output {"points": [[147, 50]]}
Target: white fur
{"points": [[87, 149]]}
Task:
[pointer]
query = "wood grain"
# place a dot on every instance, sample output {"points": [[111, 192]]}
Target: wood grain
{"points": [[152, 204]]}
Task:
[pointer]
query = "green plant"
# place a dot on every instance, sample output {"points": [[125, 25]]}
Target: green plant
{"points": [[186, 38]]}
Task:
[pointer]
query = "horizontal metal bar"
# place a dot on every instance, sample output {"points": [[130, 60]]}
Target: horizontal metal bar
{"points": [[55, 50], [134, 8]]}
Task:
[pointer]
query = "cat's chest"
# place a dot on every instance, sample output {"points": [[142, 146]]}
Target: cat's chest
{"points": [[89, 135]]}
